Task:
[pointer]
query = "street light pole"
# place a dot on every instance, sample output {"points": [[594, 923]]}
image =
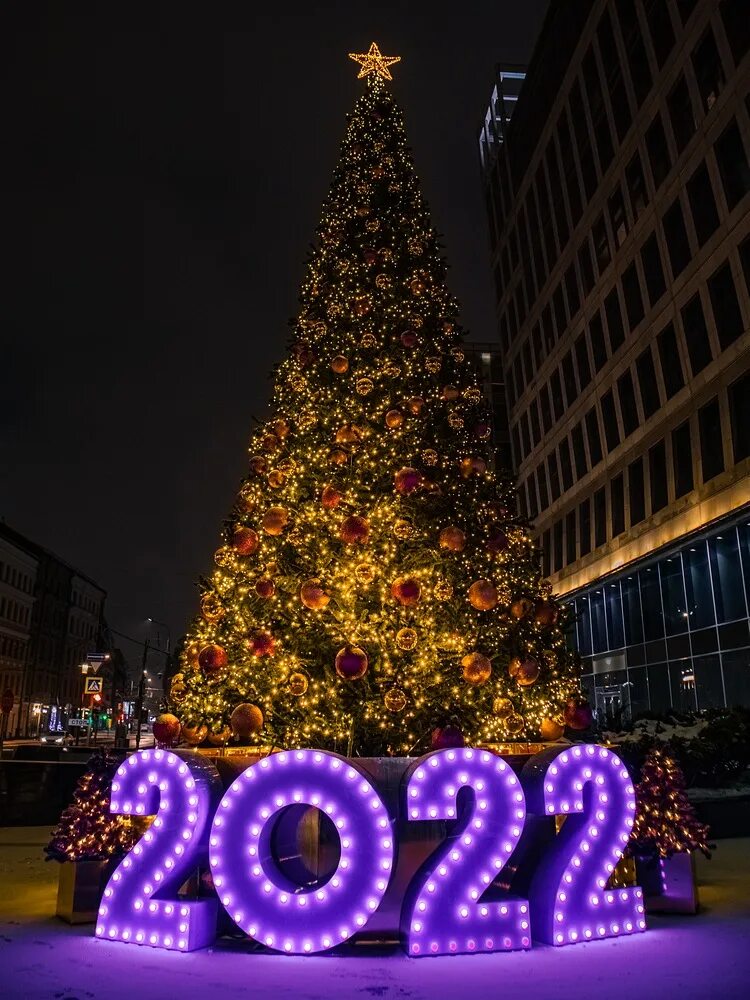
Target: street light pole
{"points": [[139, 700]]}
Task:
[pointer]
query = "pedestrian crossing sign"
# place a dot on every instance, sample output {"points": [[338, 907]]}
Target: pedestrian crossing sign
{"points": [[94, 685]]}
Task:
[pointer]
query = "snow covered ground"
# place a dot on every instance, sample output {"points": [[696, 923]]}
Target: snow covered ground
{"points": [[687, 957]]}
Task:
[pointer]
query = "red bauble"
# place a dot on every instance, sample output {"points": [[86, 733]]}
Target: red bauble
{"points": [[351, 663], [264, 587], [528, 672], [245, 541], [409, 339], [330, 497], [407, 480], [166, 730], [483, 595], [262, 643], [313, 596], [340, 364], [447, 738], [545, 613], [246, 720], [212, 658], [452, 539], [354, 530], [472, 466], [497, 542], [394, 419], [370, 256], [577, 714], [406, 590]]}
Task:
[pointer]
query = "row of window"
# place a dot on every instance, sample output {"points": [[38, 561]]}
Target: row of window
{"points": [[645, 487], [13, 649], [15, 578], [12, 611], [81, 629], [87, 603], [11, 681], [638, 392]]}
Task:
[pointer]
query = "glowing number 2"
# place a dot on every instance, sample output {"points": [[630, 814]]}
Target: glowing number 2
{"points": [[443, 911], [295, 911], [568, 896], [140, 903]]}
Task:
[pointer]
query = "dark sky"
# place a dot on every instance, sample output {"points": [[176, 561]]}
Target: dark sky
{"points": [[166, 183]]}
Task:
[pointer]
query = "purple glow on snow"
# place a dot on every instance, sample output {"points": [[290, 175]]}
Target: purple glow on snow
{"points": [[140, 903], [570, 903], [282, 912], [443, 912]]}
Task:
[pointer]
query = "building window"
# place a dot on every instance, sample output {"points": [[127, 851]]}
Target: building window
{"points": [[541, 478], [632, 292], [611, 430], [558, 303], [653, 270], [586, 266], [617, 498], [678, 246], [636, 492], [660, 26], [601, 245], [571, 288], [682, 460], [681, 114], [696, 335], [570, 537], [628, 408], [644, 366], [598, 345], [712, 448], [534, 419], [727, 315], [708, 70], [592, 432], [566, 468], [545, 408], [739, 417], [640, 74], [737, 27], [569, 378], [555, 391], [557, 545], [615, 325], [658, 153], [671, 367], [579, 450], [600, 517], [702, 204], [657, 474], [636, 185], [584, 526], [726, 576], [582, 361], [617, 218], [733, 165], [554, 475]]}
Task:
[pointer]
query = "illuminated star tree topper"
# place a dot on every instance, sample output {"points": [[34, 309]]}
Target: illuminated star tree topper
{"points": [[373, 62]]}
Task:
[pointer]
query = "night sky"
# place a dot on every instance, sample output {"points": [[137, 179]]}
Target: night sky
{"points": [[166, 184]]}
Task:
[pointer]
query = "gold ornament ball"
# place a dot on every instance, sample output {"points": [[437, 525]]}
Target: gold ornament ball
{"points": [[313, 596], [275, 520], [477, 668], [383, 281], [177, 691], [224, 556], [482, 595], [514, 665], [433, 365], [430, 456], [246, 497], [502, 707], [340, 364], [443, 590], [406, 638], [298, 684], [219, 737], [401, 528], [365, 386], [365, 573], [394, 419], [453, 539], [193, 735], [416, 246], [515, 724], [456, 421], [414, 405], [551, 731], [348, 434], [246, 720], [212, 608], [368, 341], [395, 700], [472, 395]]}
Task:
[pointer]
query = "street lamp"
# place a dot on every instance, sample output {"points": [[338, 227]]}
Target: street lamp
{"points": [[155, 621]]}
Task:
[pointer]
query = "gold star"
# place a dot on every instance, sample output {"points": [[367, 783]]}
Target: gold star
{"points": [[374, 62]]}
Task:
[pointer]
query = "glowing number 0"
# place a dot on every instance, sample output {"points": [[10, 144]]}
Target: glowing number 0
{"points": [[140, 901], [288, 912], [569, 900], [443, 911]]}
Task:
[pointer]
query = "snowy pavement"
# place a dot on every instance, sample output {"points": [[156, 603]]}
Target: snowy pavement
{"points": [[687, 957]]}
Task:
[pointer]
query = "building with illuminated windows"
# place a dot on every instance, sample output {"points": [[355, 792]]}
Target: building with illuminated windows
{"points": [[619, 213]]}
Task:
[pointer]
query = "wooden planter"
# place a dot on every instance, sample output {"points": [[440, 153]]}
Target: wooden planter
{"points": [[669, 884], [79, 890]]}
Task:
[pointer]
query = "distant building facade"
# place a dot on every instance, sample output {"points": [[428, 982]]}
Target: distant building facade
{"points": [[619, 212], [51, 620]]}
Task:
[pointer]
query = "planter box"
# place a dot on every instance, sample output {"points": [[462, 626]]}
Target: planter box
{"points": [[79, 890], [668, 884]]}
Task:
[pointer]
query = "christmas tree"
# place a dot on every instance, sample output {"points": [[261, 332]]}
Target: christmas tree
{"points": [[665, 821], [87, 831], [376, 589]]}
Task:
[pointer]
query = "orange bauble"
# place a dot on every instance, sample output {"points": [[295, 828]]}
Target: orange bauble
{"points": [[545, 613], [166, 729], [313, 596], [483, 595], [406, 590], [219, 737], [452, 539], [521, 607], [477, 669], [340, 364], [275, 479], [394, 419], [330, 497], [264, 587], [246, 720], [193, 735], [351, 663], [354, 530], [551, 730], [348, 434], [414, 405], [337, 456], [212, 659], [262, 643], [275, 520], [472, 467], [245, 541], [269, 442], [528, 672]]}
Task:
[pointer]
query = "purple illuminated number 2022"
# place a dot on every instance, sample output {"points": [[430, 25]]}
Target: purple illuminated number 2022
{"points": [[294, 910], [140, 902], [444, 912], [591, 788]]}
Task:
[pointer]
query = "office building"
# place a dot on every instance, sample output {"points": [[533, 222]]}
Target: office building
{"points": [[619, 213]]}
